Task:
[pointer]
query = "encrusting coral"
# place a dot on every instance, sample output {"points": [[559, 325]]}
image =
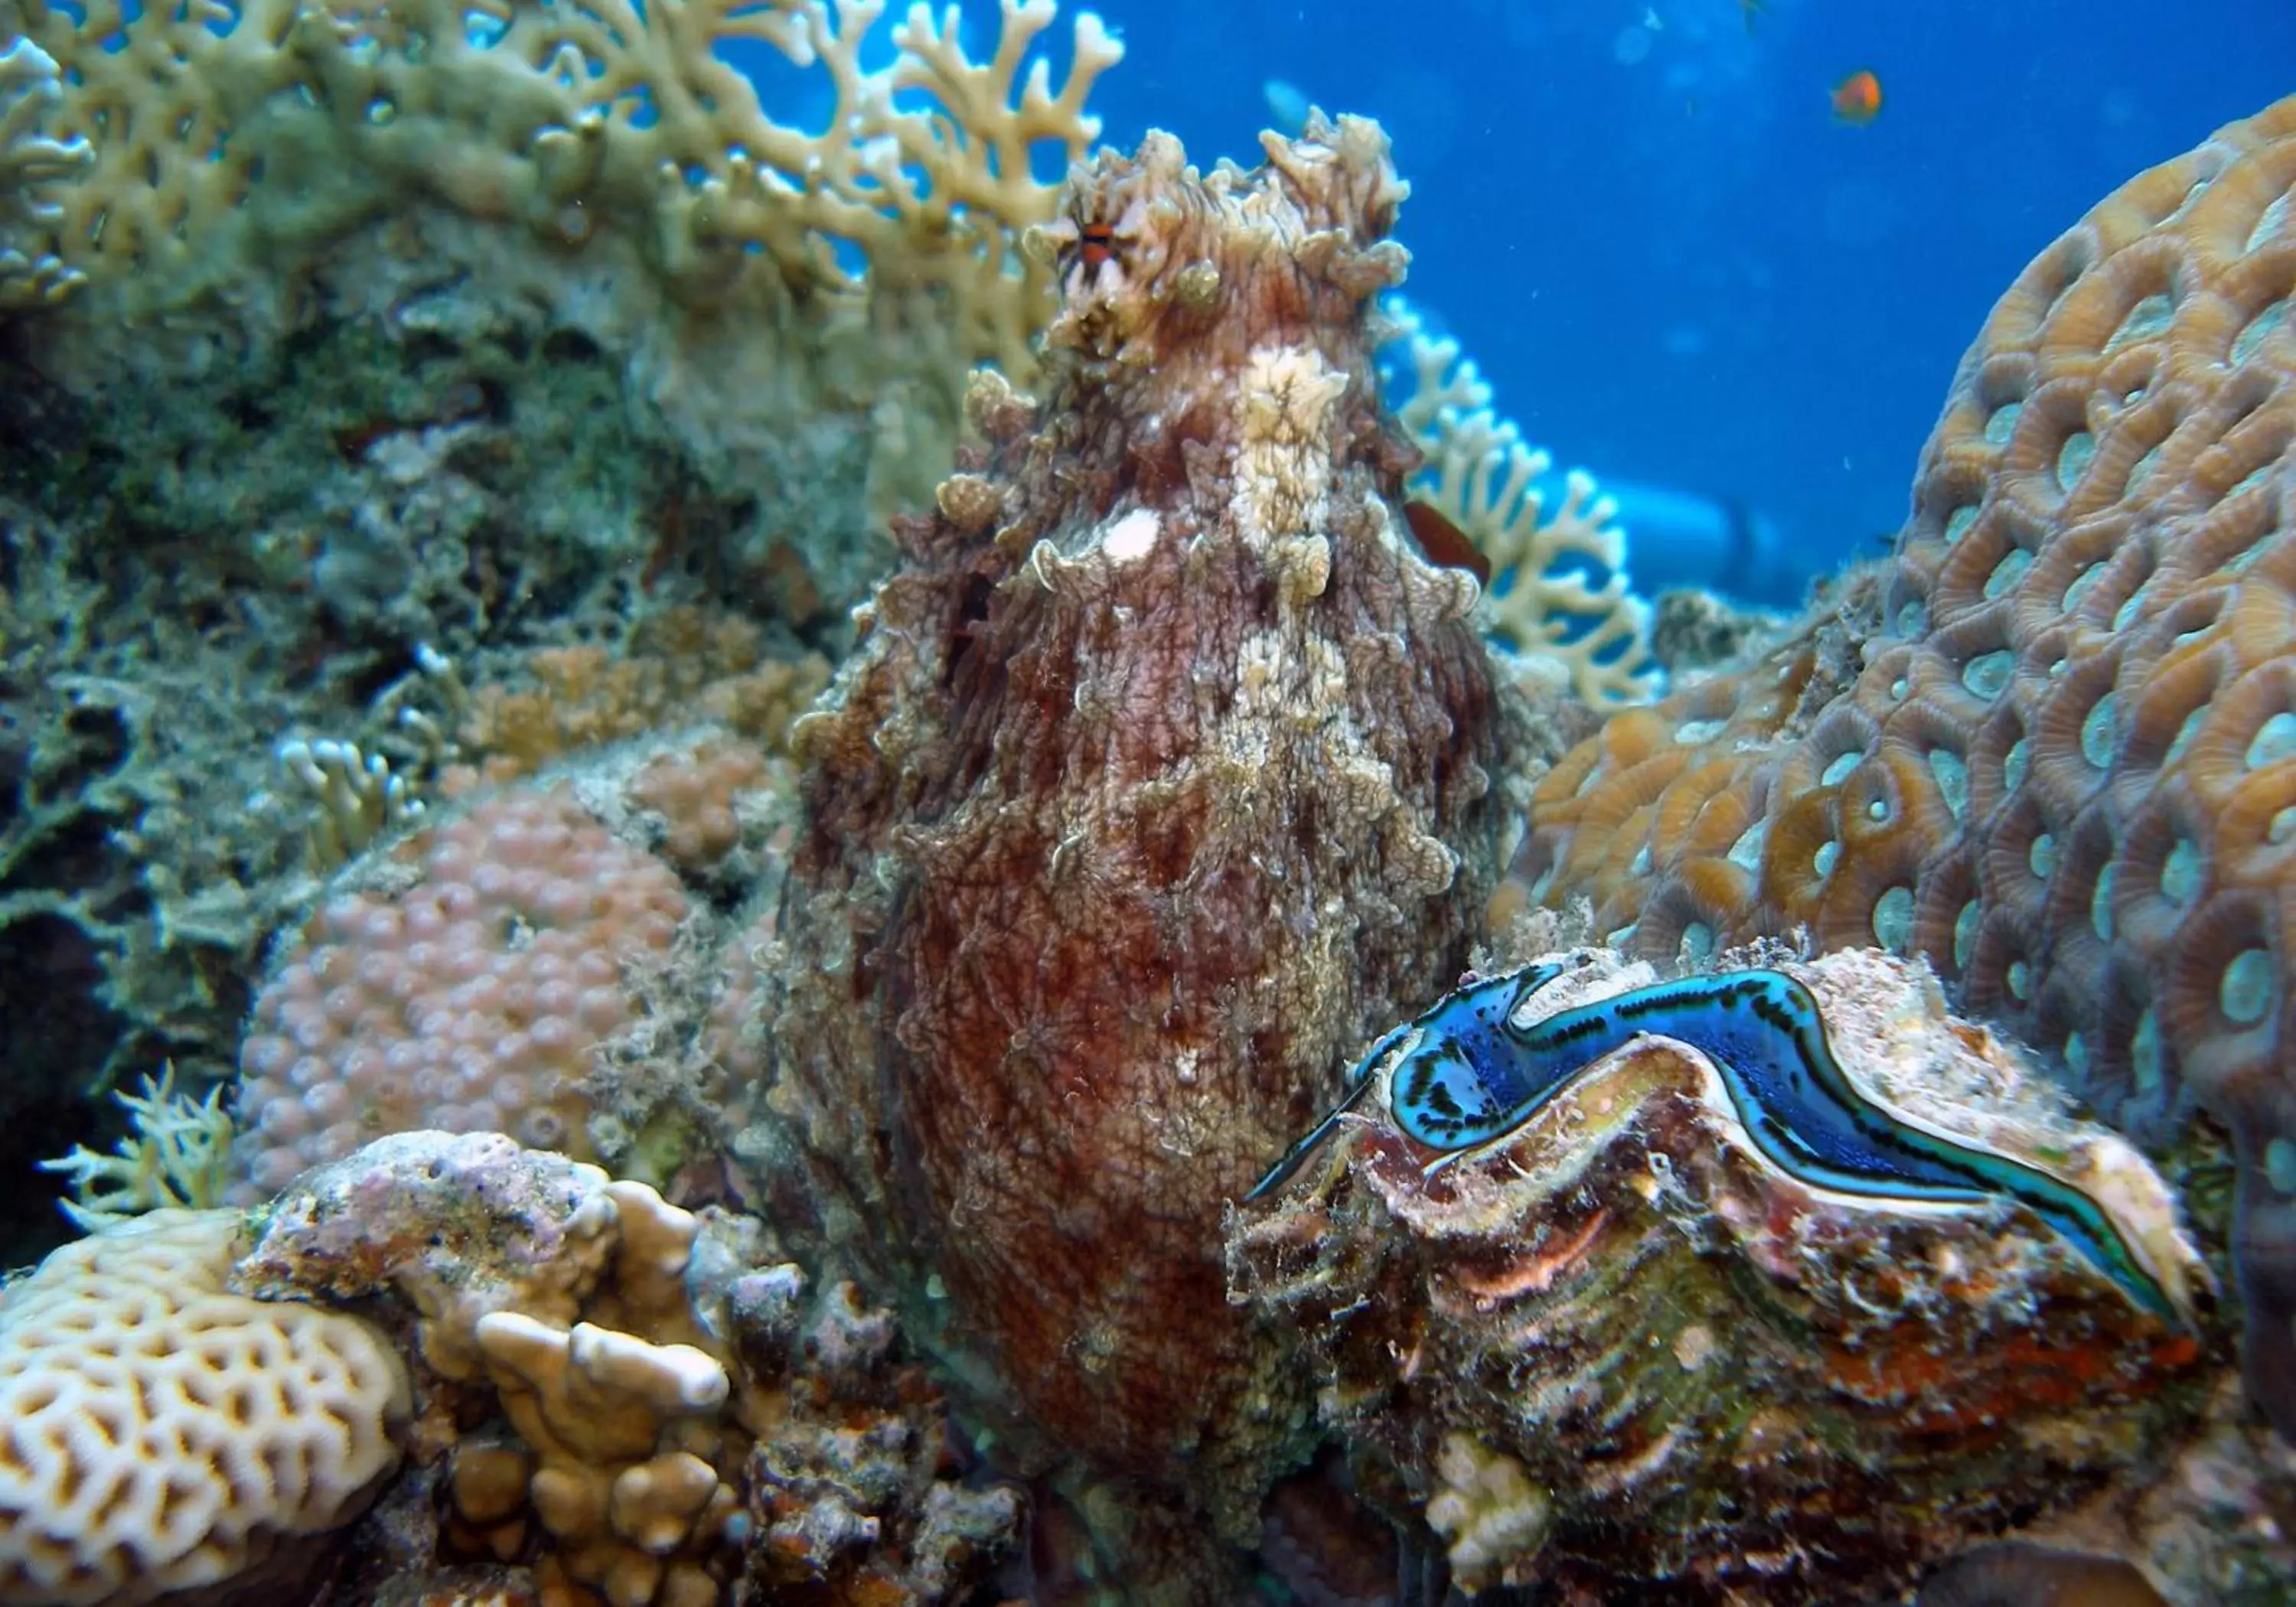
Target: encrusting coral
{"points": [[1622, 1348], [629, 1401], [537, 960], [1165, 768], [472, 995], [2060, 763]]}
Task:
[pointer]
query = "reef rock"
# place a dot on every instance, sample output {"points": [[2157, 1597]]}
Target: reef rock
{"points": [[1163, 770], [1621, 1350]]}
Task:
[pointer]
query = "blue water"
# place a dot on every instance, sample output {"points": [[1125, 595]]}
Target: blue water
{"points": [[1670, 261]]}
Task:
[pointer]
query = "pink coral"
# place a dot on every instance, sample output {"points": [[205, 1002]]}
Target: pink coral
{"points": [[465, 988]]}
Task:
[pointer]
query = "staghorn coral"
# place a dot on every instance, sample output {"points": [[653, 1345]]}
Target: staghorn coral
{"points": [[1621, 1350], [165, 1433], [2052, 744], [1164, 768], [1558, 595]]}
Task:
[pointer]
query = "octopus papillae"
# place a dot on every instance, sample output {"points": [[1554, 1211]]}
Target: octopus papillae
{"points": [[1170, 772]]}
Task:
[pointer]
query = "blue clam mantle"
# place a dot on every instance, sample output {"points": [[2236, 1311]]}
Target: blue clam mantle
{"points": [[1466, 1072]]}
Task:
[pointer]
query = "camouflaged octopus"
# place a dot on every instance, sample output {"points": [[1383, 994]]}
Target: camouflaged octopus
{"points": [[1161, 776]]}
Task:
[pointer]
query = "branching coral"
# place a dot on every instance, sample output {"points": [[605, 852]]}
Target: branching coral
{"points": [[2062, 763], [1558, 593], [204, 121], [30, 163], [620, 1398], [178, 1155]]}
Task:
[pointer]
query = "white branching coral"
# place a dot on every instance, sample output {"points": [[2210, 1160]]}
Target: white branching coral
{"points": [[177, 1155], [358, 798], [30, 163], [1558, 589]]}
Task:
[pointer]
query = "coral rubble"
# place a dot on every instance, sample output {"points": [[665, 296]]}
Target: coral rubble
{"points": [[2051, 746], [1622, 1348], [1164, 768], [630, 1402]]}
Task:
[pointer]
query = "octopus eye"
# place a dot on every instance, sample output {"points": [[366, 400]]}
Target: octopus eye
{"points": [[1095, 243]]}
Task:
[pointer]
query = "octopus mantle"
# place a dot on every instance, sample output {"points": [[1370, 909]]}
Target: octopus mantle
{"points": [[1161, 774]]}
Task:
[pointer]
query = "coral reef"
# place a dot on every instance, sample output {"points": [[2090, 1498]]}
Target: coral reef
{"points": [[625, 1401], [1165, 768], [1621, 1348], [493, 329], [165, 1433], [2052, 744], [539, 960], [467, 988], [679, 665], [1558, 596]]}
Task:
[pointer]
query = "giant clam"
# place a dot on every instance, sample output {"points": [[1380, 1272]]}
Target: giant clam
{"points": [[1623, 1346]]}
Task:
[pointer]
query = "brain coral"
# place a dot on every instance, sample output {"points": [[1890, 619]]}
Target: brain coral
{"points": [[1161, 772], [2063, 765], [163, 1433]]}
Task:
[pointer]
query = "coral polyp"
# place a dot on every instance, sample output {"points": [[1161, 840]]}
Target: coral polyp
{"points": [[1625, 1348]]}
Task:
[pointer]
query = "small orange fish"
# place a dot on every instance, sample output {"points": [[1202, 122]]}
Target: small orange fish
{"points": [[1857, 98]]}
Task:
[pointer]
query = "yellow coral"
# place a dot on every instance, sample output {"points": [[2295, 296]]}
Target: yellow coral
{"points": [[682, 665], [164, 1433], [178, 1154], [30, 163], [1559, 592], [225, 134]]}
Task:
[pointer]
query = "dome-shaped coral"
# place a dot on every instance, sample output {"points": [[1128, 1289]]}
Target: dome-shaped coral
{"points": [[2063, 764]]}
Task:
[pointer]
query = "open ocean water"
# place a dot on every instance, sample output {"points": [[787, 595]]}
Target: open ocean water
{"points": [[1675, 263]]}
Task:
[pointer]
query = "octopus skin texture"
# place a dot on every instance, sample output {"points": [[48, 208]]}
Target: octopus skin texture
{"points": [[1164, 772]]}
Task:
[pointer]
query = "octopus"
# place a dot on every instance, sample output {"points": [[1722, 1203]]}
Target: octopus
{"points": [[1165, 771]]}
